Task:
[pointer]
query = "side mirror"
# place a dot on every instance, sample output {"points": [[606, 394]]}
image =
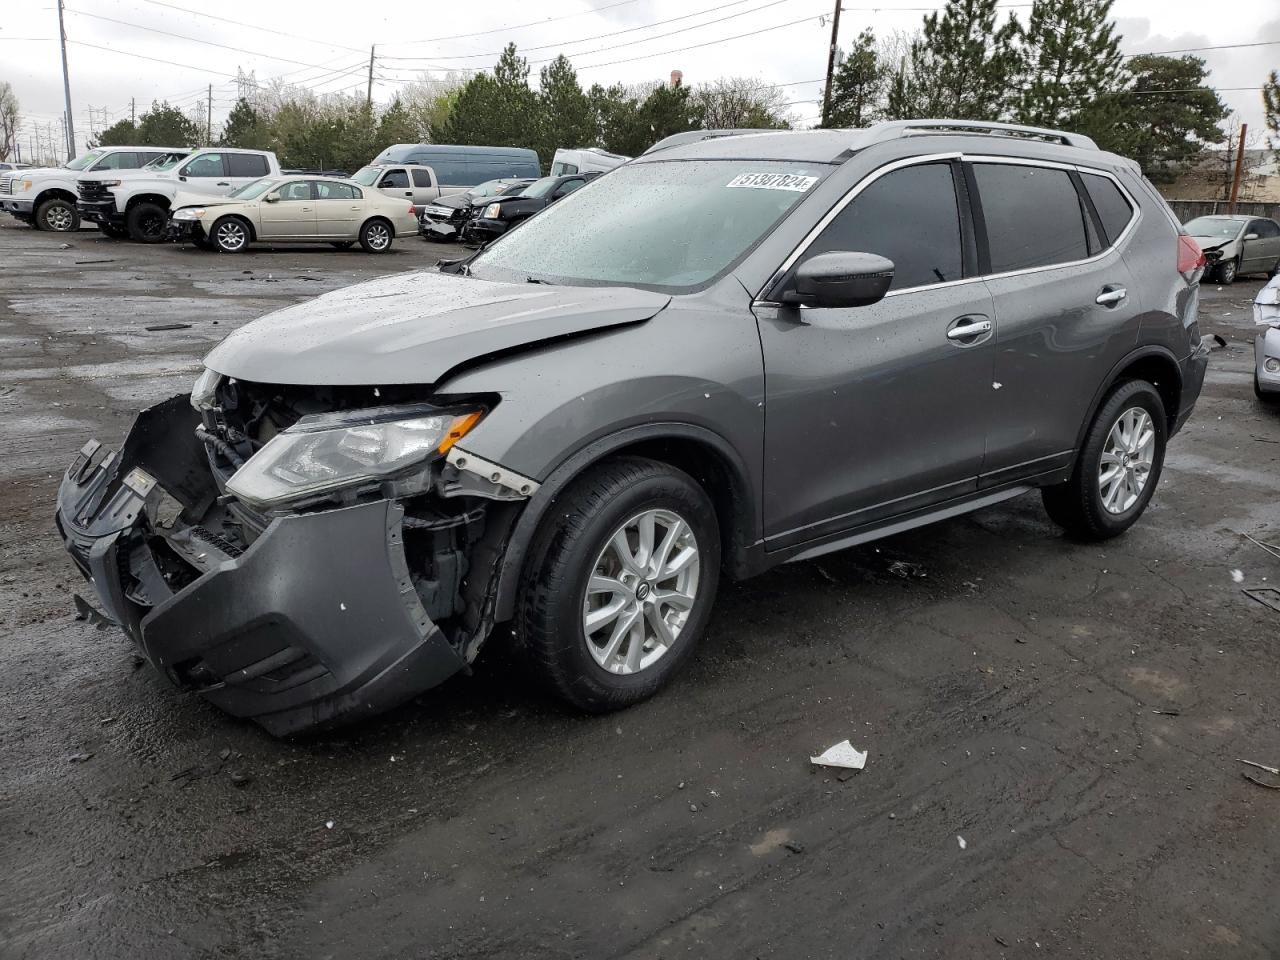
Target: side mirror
{"points": [[271, 198], [1251, 236], [841, 279]]}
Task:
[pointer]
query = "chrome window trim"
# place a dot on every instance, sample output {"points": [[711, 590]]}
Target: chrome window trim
{"points": [[873, 176]]}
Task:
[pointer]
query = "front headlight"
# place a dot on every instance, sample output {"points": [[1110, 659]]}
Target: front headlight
{"points": [[322, 453], [108, 183], [492, 210], [189, 213], [21, 186], [204, 390]]}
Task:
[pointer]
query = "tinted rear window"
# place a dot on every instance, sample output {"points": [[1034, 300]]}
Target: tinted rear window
{"points": [[909, 216], [247, 165], [421, 178], [1113, 209], [1034, 216]]}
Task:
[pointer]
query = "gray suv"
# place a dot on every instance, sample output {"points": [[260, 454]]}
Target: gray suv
{"points": [[737, 350]]}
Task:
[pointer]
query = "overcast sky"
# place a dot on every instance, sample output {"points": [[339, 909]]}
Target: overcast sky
{"points": [[325, 45]]}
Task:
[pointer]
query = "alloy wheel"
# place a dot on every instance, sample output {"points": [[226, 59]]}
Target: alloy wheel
{"points": [[231, 235], [378, 236], [1127, 458], [58, 218], [640, 592]]}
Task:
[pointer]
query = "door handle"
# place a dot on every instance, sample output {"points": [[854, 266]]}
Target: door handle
{"points": [[408, 193], [306, 209], [967, 327], [223, 183], [1111, 296]]}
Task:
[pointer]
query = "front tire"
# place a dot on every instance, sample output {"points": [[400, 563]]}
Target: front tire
{"points": [[230, 235], [147, 222], [376, 236], [57, 216], [619, 584], [1118, 467], [1227, 272]]}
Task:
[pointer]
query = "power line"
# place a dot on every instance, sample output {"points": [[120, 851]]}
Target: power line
{"points": [[139, 56], [601, 36], [251, 26], [1219, 46]]}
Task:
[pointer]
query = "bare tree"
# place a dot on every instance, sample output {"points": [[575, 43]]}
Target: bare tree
{"points": [[741, 102], [8, 119]]}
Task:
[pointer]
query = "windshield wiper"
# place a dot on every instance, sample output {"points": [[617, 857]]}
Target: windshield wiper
{"points": [[536, 280]]}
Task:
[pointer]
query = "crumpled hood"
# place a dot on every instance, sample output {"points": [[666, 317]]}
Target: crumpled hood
{"points": [[1211, 243], [416, 327], [181, 199]]}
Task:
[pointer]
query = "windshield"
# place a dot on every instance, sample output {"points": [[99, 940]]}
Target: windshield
{"points": [[514, 189], [251, 191], [365, 176], [165, 163], [540, 188], [665, 225], [1214, 227], [88, 160]]}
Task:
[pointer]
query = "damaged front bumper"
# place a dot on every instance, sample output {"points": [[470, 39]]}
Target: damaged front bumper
{"points": [[313, 623]]}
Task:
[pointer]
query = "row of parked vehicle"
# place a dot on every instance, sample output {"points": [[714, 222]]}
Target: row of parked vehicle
{"points": [[226, 199]]}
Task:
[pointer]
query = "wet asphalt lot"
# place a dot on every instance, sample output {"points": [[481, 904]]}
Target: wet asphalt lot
{"points": [[1072, 712]]}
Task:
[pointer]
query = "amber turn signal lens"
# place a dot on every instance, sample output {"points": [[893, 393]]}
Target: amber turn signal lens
{"points": [[459, 429]]}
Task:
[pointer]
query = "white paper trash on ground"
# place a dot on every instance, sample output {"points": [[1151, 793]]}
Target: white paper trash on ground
{"points": [[842, 754]]}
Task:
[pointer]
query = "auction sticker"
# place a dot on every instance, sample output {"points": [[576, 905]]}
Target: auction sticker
{"points": [[773, 181]]}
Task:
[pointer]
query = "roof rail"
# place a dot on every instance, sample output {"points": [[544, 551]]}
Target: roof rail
{"points": [[695, 136], [907, 128]]}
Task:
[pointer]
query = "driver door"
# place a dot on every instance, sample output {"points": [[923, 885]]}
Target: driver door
{"points": [[293, 215], [879, 410], [1261, 253]]}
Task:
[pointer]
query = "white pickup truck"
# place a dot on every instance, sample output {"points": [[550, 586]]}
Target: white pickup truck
{"points": [[411, 181], [45, 197], [135, 203]]}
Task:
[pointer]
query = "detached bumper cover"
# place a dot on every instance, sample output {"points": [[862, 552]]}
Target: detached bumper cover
{"points": [[185, 231], [314, 624]]}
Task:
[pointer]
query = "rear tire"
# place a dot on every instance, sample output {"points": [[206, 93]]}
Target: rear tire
{"points": [[376, 236], [57, 216], [661, 593], [1080, 506], [230, 235], [1227, 272], [148, 223]]}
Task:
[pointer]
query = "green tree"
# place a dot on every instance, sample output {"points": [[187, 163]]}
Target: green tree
{"points": [[859, 86], [961, 66], [615, 109], [397, 125], [245, 128], [740, 102], [166, 126], [1068, 56], [567, 117], [1163, 116], [498, 108], [1271, 111]]}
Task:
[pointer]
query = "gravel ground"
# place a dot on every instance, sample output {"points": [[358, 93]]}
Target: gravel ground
{"points": [[1052, 727]]}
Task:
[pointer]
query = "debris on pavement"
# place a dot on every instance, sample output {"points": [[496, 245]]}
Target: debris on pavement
{"points": [[843, 754], [79, 757], [1237, 576], [907, 570], [960, 840], [1271, 548], [1274, 771], [1214, 342], [1267, 596], [239, 779], [89, 613], [795, 846], [157, 327]]}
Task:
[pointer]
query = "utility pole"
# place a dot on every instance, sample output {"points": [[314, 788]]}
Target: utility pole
{"points": [[208, 120], [66, 87], [831, 63], [1235, 177], [368, 96], [133, 111]]}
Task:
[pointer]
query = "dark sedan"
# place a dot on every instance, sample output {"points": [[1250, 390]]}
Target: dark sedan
{"points": [[501, 214], [444, 217]]}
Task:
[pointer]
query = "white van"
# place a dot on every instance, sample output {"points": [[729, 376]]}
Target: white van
{"points": [[588, 160]]}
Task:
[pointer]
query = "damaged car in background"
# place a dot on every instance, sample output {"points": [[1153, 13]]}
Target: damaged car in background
{"points": [[567, 431]]}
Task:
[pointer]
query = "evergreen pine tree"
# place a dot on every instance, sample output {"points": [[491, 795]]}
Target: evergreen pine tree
{"points": [[568, 120], [858, 88], [1271, 112], [1069, 56], [961, 67]]}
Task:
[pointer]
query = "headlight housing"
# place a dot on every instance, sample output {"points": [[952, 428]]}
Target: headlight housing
{"points": [[320, 454], [189, 213], [492, 210], [203, 391]]}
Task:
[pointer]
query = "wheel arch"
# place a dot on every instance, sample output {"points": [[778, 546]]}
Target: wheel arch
{"points": [[1154, 364], [253, 233], [53, 193], [703, 454], [159, 199]]}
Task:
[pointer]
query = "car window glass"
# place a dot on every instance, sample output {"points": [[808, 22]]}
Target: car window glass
{"points": [[205, 165], [1216, 227], [910, 216], [568, 187], [561, 168], [421, 177], [247, 165], [1033, 216], [328, 190], [1113, 209], [120, 160], [394, 179], [298, 190], [1266, 228]]}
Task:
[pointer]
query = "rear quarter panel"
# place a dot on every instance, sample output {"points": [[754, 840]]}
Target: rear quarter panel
{"points": [[1169, 304]]}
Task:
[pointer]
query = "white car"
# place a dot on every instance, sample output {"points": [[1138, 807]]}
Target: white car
{"points": [[296, 209], [1266, 347]]}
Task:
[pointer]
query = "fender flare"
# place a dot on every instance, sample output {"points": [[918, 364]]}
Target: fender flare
{"points": [[570, 468], [1109, 381]]}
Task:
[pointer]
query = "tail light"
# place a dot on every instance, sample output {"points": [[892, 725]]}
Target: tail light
{"points": [[1190, 259], [413, 210]]}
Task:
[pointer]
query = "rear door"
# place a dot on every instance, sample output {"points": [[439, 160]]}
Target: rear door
{"points": [[1066, 307], [244, 168], [206, 173], [1261, 253], [879, 410], [339, 209]]}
